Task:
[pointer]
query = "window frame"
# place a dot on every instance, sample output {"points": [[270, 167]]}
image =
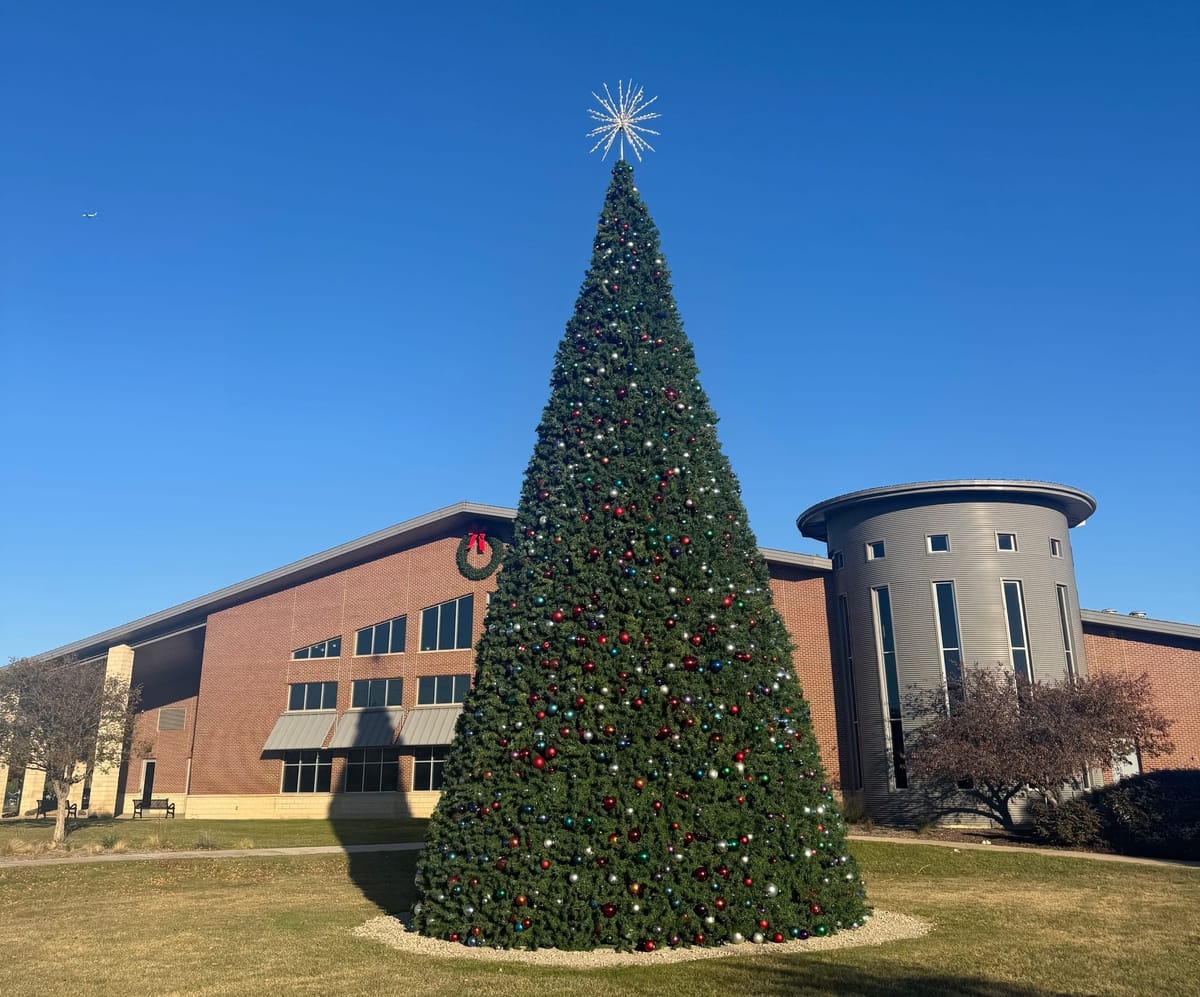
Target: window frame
{"points": [[871, 547], [457, 680], [838, 559], [317, 762], [326, 690], [930, 537], [374, 629], [429, 760], [438, 631], [1056, 549], [1007, 550], [384, 763], [1021, 617], [951, 655], [885, 646], [391, 700], [305, 653], [1063, 598]]}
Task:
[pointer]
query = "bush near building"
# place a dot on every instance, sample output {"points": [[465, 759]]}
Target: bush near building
{"points": [[1156, 815]]}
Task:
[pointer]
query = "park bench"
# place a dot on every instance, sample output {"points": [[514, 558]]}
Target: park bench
{"points": [[157, 803], [49, 807]]}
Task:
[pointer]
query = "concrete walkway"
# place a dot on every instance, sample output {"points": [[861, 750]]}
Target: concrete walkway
{"points": [[8, 862], [1062, 853], [412, 846]]}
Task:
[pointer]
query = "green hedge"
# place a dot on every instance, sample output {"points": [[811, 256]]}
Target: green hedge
{"points": [[1155, 815]]}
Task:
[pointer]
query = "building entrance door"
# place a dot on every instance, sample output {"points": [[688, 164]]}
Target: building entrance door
{"points": [[147, 780]]}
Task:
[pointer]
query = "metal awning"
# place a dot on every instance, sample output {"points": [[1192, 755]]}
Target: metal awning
{"points": [[429, 725], [366, 729], [300, 730]]}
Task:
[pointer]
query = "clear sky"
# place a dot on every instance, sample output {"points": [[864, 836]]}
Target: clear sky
{"points": [[337, 244]]}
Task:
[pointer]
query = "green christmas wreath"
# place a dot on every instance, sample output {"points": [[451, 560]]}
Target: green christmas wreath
{"points": [[493, 563]]}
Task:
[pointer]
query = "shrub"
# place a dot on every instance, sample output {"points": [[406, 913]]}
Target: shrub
{"points": [[1075, 824], [1156, 815]]}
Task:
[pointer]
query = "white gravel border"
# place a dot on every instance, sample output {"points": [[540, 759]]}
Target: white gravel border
{"points": [[881, 927]]}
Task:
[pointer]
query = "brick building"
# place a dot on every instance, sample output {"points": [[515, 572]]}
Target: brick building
{"points": [[331, 686]]}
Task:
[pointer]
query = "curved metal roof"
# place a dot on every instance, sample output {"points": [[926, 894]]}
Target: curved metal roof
{"points": [[1076, 505]]}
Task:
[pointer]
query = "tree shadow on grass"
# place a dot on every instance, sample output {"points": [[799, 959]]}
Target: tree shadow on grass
{"points": [[807, 975], [387, 879]]}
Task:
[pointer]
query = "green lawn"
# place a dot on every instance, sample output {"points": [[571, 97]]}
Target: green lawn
{"points": [[1007, 924], [98, 835]]}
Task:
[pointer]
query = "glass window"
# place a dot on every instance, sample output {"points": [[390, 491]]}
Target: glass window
{"points": [[1055, 547], [307, 771], [1018, 635], [946, 608], [875, 550], [838, 559], [891, 695], [312, 696], [938, 543], [372, 770], [851, 693], [375, 693], [1006, 541], [331, 648], [1064, 620], [447, 627], [428, 764], [433, 690], [382, 638]]}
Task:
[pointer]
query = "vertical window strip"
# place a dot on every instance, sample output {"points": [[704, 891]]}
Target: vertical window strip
{"points": [[887, 647], [946, 609], [1018, 632], [1064, 619], [851, 693]]}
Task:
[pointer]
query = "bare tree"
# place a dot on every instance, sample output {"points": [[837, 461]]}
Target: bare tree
{"points": [[60, 715], [999, 739]]}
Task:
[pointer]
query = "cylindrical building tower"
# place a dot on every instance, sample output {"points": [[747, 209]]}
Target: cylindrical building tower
{"points": [[934, 577]]}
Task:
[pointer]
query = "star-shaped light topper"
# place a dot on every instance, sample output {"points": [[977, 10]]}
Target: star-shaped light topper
{"points": [[622, 117]]}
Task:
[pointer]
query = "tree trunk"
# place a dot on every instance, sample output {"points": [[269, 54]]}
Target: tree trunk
{"points": [[61, 791]]}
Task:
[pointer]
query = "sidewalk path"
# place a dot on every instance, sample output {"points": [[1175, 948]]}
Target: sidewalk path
{"points": [[1062, 853], [212, 853], [412, 846]]}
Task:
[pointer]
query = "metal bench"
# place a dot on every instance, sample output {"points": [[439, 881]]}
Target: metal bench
{"points": [[157, 803], [49, 807]]}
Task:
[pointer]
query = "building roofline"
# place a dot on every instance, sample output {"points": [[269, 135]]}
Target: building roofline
{"points": [[1121, 621], [345, 555], [1075, 504], [193, 613]]}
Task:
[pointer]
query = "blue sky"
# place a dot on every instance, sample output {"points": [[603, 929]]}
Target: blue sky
{"points": [[337, 246]]}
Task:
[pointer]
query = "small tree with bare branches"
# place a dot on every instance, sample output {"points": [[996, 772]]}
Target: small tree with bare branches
{"points": [[1000, 739], [59, 715]]}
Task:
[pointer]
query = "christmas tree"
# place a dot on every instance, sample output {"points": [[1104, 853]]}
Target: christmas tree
{"points": [[635, 766]]}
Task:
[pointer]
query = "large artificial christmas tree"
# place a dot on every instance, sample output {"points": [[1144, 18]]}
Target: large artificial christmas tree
{"points": [[635, 766]]}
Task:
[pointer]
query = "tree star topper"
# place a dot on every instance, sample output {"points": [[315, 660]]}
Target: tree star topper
{"points": [[622, 117]]}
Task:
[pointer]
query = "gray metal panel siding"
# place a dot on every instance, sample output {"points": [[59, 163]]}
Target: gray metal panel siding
{"points": [[977, 569]]}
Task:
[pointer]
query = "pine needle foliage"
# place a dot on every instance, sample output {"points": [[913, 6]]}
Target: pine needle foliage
{"points": [[635, 766]]}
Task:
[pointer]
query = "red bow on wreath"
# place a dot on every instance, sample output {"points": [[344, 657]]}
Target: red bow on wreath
{"points": [[478, 540]]}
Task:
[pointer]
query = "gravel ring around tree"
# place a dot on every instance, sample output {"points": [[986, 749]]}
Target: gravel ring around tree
{"points": [[881, 927]]}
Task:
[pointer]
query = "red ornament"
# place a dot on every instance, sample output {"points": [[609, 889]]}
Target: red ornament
{"points": [[608, 910], [609, 803]]}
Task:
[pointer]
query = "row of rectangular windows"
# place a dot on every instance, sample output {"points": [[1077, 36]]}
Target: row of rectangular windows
{"points": [[444, 627], [368, 770], [938, 543], [432, 690], [946, 615]]}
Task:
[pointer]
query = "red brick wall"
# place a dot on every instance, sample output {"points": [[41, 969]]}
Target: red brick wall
{"points": [[168, 673], [1173, 664], [248, 662], [801, 600]]}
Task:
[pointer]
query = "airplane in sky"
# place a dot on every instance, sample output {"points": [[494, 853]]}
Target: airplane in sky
{"points": [[91, 214]]}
